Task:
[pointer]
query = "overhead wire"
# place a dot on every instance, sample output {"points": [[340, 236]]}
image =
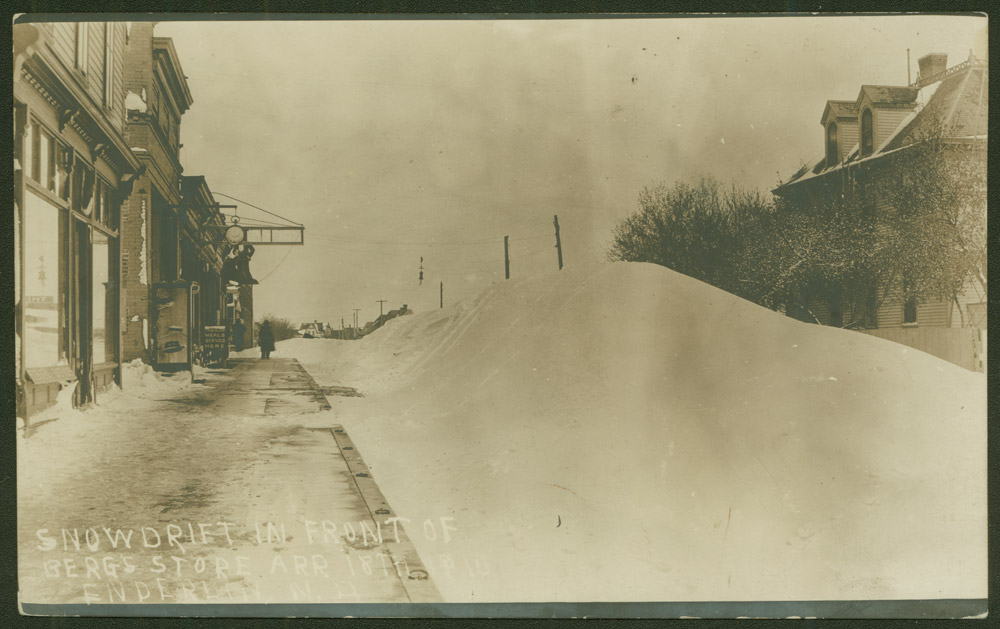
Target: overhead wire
{"points": [[280, 262], [403, 243], [415, 243], [329, 238], [255, 220], [257, 208], [479, 266]]}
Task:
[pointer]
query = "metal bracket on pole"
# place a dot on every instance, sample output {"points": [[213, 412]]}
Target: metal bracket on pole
{"points": [[252, 234]]}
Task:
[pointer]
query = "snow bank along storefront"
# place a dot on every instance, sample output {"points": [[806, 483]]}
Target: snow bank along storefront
{"points": [[72, 169]]}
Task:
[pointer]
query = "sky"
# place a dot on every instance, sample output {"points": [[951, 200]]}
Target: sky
{"points": [[392, 140]]}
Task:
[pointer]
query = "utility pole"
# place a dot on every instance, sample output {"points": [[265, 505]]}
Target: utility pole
{"points": [[558, 241], [356, 311], [380, 302], [442, 293], [506, 256]]}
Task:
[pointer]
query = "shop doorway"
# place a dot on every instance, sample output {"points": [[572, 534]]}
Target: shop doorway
{"points": [[82, 311]]}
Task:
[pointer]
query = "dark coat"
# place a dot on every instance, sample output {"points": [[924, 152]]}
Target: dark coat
{"points": [[239, 331], [266, 338]]}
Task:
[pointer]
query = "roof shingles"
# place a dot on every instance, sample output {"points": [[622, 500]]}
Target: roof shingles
{"points": [[957, 106]]}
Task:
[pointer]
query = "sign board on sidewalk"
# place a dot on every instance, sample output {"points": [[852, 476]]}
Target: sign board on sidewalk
{"points": [[216, 347], [216, 337]]}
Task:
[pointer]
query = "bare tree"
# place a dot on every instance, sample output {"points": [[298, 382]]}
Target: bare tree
{"points": [[282, 328], [703, 230], [910, 224], [936, 189]]}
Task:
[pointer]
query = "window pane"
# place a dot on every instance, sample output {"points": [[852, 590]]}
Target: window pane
{"points": [[99, 201], [26, 161], [41, 283], [50, 181], [112, 209], [102, 292], [81, 46], [43, 160], [108, 78], [35, 149], [867, 140]]}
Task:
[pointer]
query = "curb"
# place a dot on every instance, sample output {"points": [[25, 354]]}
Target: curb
{"points": [[415, 578], [324, 404]]}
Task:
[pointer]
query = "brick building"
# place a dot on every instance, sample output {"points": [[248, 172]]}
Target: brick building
{"points": [[73, 170], [156, 96]]}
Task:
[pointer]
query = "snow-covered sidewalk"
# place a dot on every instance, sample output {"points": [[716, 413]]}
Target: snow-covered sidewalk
{"points": [[229, 489]]}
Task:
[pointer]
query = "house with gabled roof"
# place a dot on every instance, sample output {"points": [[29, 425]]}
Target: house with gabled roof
{"points": [[860, 137]]}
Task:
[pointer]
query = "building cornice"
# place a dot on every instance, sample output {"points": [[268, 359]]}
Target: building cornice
{"points": [[77, 110], [166, 55]]}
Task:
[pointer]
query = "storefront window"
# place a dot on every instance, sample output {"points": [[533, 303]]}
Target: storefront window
{"points": [[43, 160], [40, 155], [42, 294], [102, 292], [34, 168]]}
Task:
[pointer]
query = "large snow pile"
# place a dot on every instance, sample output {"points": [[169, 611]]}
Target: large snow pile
{"points": [[623, 432]]}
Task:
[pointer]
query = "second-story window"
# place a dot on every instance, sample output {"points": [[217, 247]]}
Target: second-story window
{"points": [[42, 167], [174, 132], [81, 46], [867, 133], [831, 144], [109, 78], [909, 302]]}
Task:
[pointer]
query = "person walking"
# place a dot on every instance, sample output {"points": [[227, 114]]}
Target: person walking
{"points": [[239, 331], [266, 338]]}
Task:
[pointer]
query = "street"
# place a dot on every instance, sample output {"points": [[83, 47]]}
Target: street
{"points": [[218, 493]]}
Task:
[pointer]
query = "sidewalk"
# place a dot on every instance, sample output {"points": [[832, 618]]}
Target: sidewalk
{"points": [[217, 492]]}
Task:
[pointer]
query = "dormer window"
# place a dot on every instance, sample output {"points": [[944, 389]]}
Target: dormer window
{"points": [[831, 144], [867, 133]]}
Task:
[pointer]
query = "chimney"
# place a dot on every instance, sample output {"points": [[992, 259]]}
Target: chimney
{"points": [[932, 64]]}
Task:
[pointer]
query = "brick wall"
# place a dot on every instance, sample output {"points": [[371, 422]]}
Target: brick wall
{"points": [[136, 275], [138, 73]]}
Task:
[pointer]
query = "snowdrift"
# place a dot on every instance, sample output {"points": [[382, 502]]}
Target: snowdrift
{"points": [[623, 432]]}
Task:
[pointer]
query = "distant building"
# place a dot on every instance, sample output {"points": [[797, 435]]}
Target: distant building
{"points": [[382, 319], [214, 303], [858, 136]]}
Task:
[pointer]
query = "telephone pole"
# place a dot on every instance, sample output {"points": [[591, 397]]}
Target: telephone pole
{"points": [[558, 241], [380, 302], [442, 293], [506, 256], [356, 311]]}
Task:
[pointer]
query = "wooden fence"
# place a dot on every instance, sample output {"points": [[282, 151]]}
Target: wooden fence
{"points": [[966, 347]]}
